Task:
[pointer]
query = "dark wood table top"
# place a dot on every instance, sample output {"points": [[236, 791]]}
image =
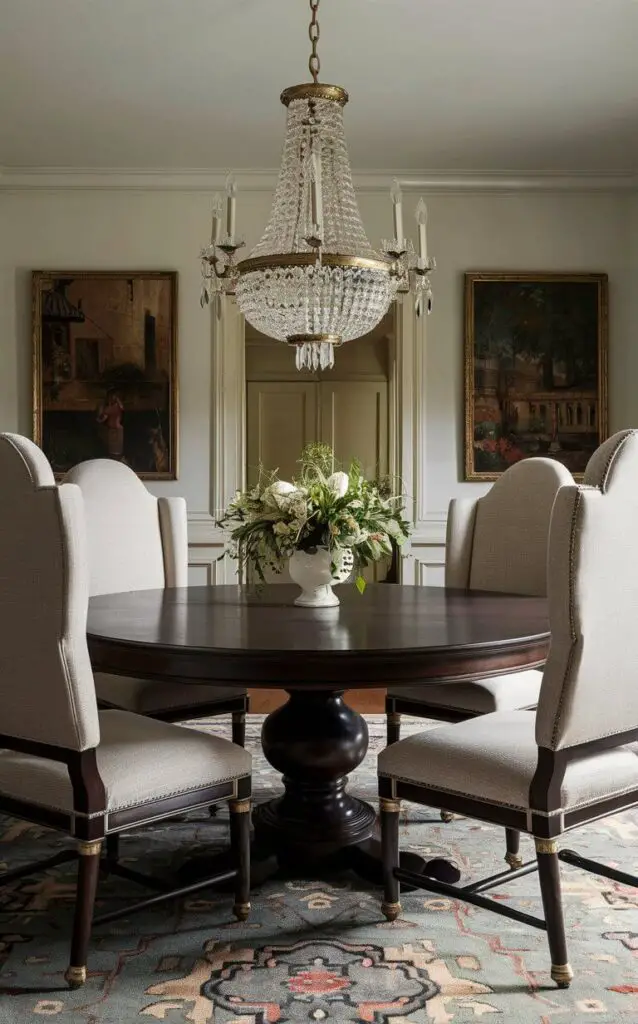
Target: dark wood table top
{"points": [[390, 634]]}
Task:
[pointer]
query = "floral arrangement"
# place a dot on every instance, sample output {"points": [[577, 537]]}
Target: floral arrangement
{"points": [[318, 509]]}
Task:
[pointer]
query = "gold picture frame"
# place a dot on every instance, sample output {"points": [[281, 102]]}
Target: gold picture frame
{"points": [[105, 381], [536, 347]]}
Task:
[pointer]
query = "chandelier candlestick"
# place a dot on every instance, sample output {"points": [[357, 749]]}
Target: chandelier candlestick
{"points": [[397, 208], [422, 219], [216, 224], [231, 206]]}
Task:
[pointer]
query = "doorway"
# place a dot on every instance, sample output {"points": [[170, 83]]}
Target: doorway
{"points": [[347, 407], [350, 407]]}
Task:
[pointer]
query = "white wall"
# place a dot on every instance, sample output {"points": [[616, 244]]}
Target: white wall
{"points": [[137, 229]]}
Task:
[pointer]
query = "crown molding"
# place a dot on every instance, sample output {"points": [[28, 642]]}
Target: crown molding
{"points": [[211, 180]]}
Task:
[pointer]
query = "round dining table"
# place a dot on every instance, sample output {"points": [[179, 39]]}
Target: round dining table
{"points": [[391, 634]]}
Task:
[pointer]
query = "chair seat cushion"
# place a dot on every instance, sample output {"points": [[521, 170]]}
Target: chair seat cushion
{"points": [[139, 759], [148, 697], [480, 697], [493, 759]]}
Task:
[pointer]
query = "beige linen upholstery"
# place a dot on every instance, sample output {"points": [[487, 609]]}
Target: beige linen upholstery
{"points": [[498, 543], [64, 765], [590, 686], [481, 697], [509, 548], [128, 549], [459, 540], [144, 696], [45, 673], [140, 760], [589, 689], [575, 759], [138, 542], [493, 758]]}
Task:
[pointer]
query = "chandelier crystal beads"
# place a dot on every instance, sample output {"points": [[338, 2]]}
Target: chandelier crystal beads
{"points": [[313, 280]]}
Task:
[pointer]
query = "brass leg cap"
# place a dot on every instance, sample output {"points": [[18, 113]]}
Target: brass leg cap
{"points": [[241, 911], [391, 910], [562, 974], [75, 976], [447, 816], [514, 860]]}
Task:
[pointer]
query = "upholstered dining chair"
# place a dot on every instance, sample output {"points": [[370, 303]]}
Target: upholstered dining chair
{"points": [[139, 542], [64, 764], [576, 758], [499, 543]]}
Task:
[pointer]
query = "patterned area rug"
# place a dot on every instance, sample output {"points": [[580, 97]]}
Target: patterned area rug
{"points": [[319, 951]]}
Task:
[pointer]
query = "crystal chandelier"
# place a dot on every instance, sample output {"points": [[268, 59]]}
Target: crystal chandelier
{"points": [[313, 280]]}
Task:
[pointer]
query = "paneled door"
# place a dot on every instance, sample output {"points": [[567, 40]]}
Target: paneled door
{"points": [[351, 416], [354, 422], [281, 417]]}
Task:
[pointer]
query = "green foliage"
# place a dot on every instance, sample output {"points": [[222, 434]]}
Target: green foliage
{"points": [[545, 322], [318, 509]]}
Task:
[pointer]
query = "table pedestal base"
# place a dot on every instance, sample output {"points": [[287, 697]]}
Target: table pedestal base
{"points": [[316, 740], [297, 835]]}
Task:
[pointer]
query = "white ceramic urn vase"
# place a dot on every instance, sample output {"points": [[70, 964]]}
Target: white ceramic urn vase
{"points": [[313, 572]]}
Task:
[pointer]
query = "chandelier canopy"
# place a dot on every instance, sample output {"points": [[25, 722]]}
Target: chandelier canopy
{"points": [[313, 280]]}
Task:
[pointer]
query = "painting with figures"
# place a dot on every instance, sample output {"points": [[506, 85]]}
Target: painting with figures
{"points": [[105, 383], [535, 369]]}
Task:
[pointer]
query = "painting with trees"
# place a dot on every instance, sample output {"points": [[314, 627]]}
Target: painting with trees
{"points": [[105, 382], [535, 369]]}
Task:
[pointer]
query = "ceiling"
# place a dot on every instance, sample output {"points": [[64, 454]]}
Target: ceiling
{"points": [[438, 85]]}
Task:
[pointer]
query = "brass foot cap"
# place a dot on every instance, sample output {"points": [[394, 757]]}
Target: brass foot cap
{"points": [[562, 974], [514, 860], [447, 816], [75, 976], [391, 910], [241, 911]]}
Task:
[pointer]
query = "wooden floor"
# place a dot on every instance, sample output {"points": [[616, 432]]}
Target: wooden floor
{"points": [[370, 702]]}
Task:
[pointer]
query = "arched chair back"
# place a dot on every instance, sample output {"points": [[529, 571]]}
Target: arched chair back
{"points": [[136, 541], [590, 685], [47, 693], [499, 542]]}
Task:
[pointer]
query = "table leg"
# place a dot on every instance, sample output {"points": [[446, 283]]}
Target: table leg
{"points": [[315, 740]]}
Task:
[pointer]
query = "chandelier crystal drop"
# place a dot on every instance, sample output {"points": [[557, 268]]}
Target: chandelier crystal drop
{"points": [[313, 280]]}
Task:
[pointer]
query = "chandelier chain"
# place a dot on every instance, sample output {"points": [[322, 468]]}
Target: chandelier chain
{"points": [[313, 32]]}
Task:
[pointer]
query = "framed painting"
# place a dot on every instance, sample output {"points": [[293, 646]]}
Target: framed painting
{"points": [[535, 369], [105, 369]]}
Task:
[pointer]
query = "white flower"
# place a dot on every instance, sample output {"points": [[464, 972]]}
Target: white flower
{"points": [[339, 483], [282, 487]]}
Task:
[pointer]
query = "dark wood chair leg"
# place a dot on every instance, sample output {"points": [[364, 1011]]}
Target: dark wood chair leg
{"points": [[389, 813], [113, 847], [513, 845], [239, 728], [393, 726], [549, 877], [88, 871], [240, 846]]}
